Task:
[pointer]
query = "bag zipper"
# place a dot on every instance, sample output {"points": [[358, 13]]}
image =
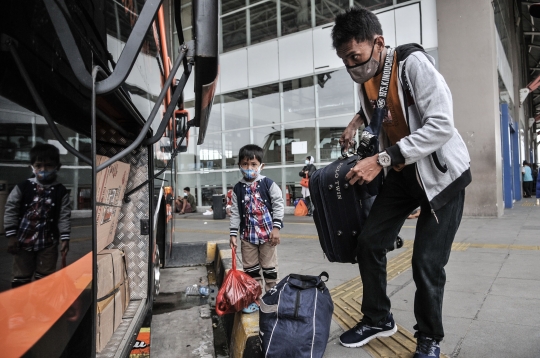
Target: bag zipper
{"points": [[297, 304]]}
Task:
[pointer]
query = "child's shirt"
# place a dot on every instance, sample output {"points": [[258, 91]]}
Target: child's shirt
{"points": [[257, 208], [38, 215], [258, 219]]}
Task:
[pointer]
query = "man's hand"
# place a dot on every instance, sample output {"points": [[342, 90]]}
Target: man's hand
{"points": [[274, 237], [13, 245], [347, 137], [364, 171], [64, 248], [232, 243]]}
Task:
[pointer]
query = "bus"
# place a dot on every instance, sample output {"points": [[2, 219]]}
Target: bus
{"points": [[103, 82]]}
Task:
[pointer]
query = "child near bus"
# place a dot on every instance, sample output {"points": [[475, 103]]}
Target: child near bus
{"points": [[37, 218], [256, 217]]}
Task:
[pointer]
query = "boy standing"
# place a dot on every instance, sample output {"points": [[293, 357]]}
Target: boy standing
{"points": [[37, 217], [256, 216]]}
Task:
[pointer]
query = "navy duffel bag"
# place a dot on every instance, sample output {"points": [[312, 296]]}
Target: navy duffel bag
{"points": [[295, 317]]}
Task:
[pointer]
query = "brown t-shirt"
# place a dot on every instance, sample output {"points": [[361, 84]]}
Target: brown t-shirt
{"points": [[394, 122]]}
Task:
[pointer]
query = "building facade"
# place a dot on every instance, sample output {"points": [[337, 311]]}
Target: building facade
{"points": [[281, 86]]}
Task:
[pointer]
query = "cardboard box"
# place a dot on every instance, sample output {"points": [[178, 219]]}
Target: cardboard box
{"points": [[111, 275], [111, 185], [109, 317], [112, 294]]}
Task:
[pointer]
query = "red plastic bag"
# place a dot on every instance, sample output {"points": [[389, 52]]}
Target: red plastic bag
{"points": [[237, 292]]}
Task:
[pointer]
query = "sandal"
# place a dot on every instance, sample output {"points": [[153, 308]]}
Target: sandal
{"points": [[253, 307]]}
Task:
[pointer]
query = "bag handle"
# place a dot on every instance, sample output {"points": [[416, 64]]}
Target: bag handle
{"points": [[233, 260], [304, 281]]}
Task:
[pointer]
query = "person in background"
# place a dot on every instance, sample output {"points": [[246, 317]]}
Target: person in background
{"points": [[188, 202], [535, 177], [527, 179], [256, 217], [306, 172], [37, 218], [229, 202]]}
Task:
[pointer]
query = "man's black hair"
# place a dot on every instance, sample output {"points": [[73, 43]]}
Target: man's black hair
{"points": [[186, 188], [356, 23], [250, 151], [46, 153]]}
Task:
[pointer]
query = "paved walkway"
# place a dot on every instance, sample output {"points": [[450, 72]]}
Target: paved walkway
{"points": [[492, 296]]}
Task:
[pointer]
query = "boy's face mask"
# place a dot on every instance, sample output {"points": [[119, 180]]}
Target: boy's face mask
{"points": [[185, 194], [45, 176], [250, 174], [307, 162]]}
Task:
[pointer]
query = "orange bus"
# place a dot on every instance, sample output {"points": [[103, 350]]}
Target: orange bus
{"points": [[94, 78]]}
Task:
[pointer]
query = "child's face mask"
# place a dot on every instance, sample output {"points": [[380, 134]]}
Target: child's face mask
{"points": [[250, 174], [44, 174]]}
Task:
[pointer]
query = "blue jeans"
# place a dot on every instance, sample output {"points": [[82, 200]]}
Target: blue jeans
{"points": [[400, 195]]}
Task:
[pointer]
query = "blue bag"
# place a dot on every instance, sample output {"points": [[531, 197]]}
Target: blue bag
{"points": [[295, 317]]}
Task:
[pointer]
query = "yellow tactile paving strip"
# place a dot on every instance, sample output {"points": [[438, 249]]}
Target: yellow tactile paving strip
{"points": [[347, 303], [348, 297]]}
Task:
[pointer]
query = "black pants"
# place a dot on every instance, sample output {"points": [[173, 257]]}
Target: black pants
{"points": [[309, 204], [527, 188], [401, 194]]}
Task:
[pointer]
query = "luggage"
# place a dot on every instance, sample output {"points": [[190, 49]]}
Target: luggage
{"points": [[295, 317], [301, 208], [340, 208]]}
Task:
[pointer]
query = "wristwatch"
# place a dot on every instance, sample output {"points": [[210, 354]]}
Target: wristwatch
{"points": [[384, 159]]}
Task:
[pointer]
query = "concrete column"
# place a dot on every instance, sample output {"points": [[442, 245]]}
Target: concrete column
{"points": [[468, 62]]}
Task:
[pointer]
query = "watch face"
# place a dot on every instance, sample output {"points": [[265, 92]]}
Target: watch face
{"points": [[384, 159]]}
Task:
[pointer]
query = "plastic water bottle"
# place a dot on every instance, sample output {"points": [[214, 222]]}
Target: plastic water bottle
{"points": [[192, 290], [196, 290]]}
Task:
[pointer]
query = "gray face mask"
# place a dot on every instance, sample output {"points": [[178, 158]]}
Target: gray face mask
{"points": [[364, 71]]}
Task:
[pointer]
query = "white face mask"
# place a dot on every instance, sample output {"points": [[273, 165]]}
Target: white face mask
{"points": [[307, 162], [363, 72], [185, 194]]}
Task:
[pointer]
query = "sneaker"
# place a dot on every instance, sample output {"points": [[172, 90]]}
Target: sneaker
{"points": [[208, 212], [362, 333], [427, 347]]}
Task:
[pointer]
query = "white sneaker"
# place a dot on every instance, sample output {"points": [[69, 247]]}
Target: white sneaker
{"points": [[208, 212]]}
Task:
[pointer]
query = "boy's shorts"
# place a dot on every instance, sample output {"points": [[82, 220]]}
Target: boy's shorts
{"points": [[27, 264]]}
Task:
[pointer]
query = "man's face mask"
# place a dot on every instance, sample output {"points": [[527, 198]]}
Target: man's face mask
{"points": [[364, 71], [250, 173]]}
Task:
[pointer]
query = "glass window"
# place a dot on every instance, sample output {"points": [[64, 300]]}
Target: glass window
{"points": [[295, 16], [300, 132], [376, 4], [326, 10], [336, 93], [265, 105], [236, 109], [299, 99], [211, 184], [233, 142], [329, 132], [185, 14], [214, 121], [231, 5], [292, 179], [210, 152], [263, 22], [186, 161], [234, 31], [269, 138]]}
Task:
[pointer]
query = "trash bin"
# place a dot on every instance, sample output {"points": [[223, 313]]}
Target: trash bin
{"points": [[3, 199], [219, 203]]}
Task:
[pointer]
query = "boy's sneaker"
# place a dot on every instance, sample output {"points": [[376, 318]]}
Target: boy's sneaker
{"points": [[427, 347], [363, 333]]}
